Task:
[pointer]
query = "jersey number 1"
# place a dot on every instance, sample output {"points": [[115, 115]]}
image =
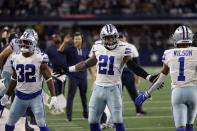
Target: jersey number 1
{"points": [[104, 68], [181, 76]]}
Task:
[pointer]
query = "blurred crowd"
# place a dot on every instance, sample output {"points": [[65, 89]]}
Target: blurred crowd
{"points": [[142, 36], [97, 7]]}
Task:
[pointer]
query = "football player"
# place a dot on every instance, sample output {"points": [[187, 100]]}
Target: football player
{"points": [[29, 68], [181, 63], [109, 56], [5, 61], [13, 47]]}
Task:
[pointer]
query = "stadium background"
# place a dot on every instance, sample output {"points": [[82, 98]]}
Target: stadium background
{"points": [[149, 24]]}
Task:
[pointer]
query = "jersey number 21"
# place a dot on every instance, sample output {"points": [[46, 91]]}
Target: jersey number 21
{"points": [[106, 65]]}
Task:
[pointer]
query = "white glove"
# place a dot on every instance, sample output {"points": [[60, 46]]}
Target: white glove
{"points": [[2, 85], [61, 77], [54, 104], [4, 100]]}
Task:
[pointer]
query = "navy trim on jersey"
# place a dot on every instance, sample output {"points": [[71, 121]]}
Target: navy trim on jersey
{"points": [[25, 96]]}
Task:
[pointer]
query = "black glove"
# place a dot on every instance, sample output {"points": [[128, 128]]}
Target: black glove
{"points": [[153, 78]]}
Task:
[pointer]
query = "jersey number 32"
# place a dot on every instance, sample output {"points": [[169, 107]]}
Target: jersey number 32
{"points": [[26, 73]]}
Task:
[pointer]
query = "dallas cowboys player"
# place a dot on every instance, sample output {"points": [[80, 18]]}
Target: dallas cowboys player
{"points": [[7, 70], [109, 56], [28, 68], [181, 62]]}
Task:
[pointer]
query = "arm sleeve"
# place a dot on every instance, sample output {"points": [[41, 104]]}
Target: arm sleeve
{"points": [[136, 60], [137, 69], [157, 84]]}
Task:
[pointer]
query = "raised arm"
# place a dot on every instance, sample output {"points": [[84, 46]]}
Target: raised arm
{"points": [[67, 39], [5, 53]]}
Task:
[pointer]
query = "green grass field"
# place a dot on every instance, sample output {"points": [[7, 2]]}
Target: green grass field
{"points": [[159, 117]]}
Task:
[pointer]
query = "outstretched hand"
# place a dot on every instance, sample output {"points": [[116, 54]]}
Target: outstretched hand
{"points": [[143, 96]]}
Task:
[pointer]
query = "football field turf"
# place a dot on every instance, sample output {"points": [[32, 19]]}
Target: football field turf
{"points": [[159, 117]]}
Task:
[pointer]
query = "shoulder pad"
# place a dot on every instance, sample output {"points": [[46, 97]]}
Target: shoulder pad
{"points": [[98, 42]]}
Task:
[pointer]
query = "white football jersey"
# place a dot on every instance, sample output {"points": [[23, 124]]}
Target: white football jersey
{"points": [[183, 66], [109, 63], [29, 78], [135, 52]]}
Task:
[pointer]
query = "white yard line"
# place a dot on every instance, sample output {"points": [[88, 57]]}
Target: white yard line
{"points": [[151, 128], [131, 102], [136, 128], [131, 109], [125, 117]]}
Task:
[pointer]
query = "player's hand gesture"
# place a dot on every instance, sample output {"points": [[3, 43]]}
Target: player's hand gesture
{"points": [[1, 107], [60, 76], [143, 96], [4, 100], [67, 39], [153, 78], [2, 85], [54, 104]]}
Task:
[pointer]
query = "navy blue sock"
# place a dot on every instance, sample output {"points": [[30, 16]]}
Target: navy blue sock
{"points": [[189, 127], [45, 128], [95, 127], [180, 129], [119, 126], [9, 128]]}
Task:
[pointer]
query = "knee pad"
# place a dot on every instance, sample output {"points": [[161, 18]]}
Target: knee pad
{"points": [[9, 128], [119, 126], [45, 128], [95, 127]]}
